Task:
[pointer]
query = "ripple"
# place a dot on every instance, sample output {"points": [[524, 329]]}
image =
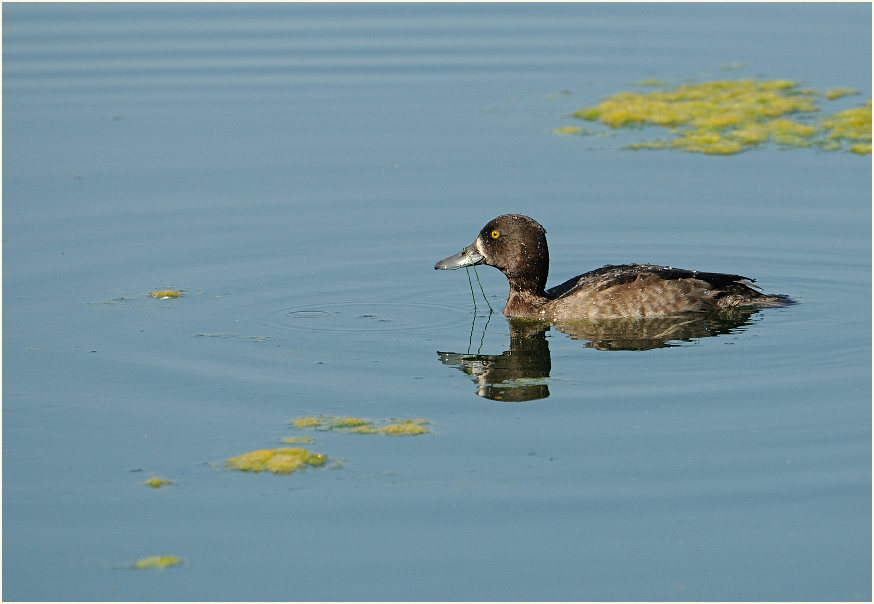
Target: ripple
{"points": [[365, 317]]}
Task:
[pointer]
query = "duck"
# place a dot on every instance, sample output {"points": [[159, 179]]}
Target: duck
{"points": [[516, 245]]}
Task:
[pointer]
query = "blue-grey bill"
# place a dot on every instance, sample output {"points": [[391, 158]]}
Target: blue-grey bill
{"points": [[466, 257]]}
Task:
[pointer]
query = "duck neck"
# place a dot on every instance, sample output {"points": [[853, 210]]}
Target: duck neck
{"points": [[528, 286], [525, 303], [531, 273]]}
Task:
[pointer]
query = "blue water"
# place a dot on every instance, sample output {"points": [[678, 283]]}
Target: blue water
{"points": [[297, 170]]}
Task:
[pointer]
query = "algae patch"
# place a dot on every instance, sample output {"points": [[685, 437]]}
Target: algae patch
{"points": [[566, 130], [727, 117], [407, 427], [166, 294], [278, 461], [355, 425], [850, 126], [157, 562], [157, 483], [299, 440], [836, 93]]}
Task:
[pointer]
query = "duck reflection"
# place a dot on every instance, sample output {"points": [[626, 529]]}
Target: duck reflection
{"points": [[518, 374], [521, 373]]}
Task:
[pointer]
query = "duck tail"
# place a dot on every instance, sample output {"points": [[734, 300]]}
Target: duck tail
{"points": [[771, 301], [746, 293]]}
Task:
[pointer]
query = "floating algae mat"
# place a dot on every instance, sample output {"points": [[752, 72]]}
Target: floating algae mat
{"points": [[157, 483], [279, 461], [286, 460], [727, 117], [157, 562], [299, 440], [355, 425], [166, 294]]}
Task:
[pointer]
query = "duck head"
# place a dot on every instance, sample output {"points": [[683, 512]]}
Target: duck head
{"points": [[514, 244]]}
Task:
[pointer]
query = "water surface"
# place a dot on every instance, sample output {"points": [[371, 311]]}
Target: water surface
{"points": [[297, 170]]}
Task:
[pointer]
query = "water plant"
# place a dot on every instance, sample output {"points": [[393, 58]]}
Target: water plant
{"points": [[299, 440], [481, 289], [166, 294], [725, 117], [157, 562], [356, 425], [157, 483], [278, 461]]}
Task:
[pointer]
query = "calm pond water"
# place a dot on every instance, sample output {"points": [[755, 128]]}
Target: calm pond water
{"points": [[297, 170]]}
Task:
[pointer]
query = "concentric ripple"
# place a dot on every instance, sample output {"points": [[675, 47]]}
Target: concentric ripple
{"points": [[365, 317]]}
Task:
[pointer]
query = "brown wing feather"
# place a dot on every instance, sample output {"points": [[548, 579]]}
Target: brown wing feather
{"points": [[704, 290]]}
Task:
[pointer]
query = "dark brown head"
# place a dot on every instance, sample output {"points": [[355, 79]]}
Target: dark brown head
{"points": [[513, 243]]}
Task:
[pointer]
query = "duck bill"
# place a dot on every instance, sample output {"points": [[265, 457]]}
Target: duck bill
{"points": [[466, 257]]}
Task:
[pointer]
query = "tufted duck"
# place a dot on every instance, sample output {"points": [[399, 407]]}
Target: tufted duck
{"points": [[516, 245]]}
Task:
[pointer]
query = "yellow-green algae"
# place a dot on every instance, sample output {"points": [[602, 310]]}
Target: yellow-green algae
{"points": [[727, 117], [299, 440], [852, 126], [340, 423], [407, 427], [307, 422], [157, 483], [836, 93], [166, 294], [652, 82], [355, 425], [278, 461], [565, 130], [157, 562]]}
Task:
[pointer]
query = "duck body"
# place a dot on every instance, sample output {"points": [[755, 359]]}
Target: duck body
{"points": [[516, 245]]}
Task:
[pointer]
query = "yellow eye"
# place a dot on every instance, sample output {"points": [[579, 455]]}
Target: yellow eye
{"points": [[495, 234]]}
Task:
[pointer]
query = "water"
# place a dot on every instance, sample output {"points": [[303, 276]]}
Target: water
{"points": [[297, 170]]}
